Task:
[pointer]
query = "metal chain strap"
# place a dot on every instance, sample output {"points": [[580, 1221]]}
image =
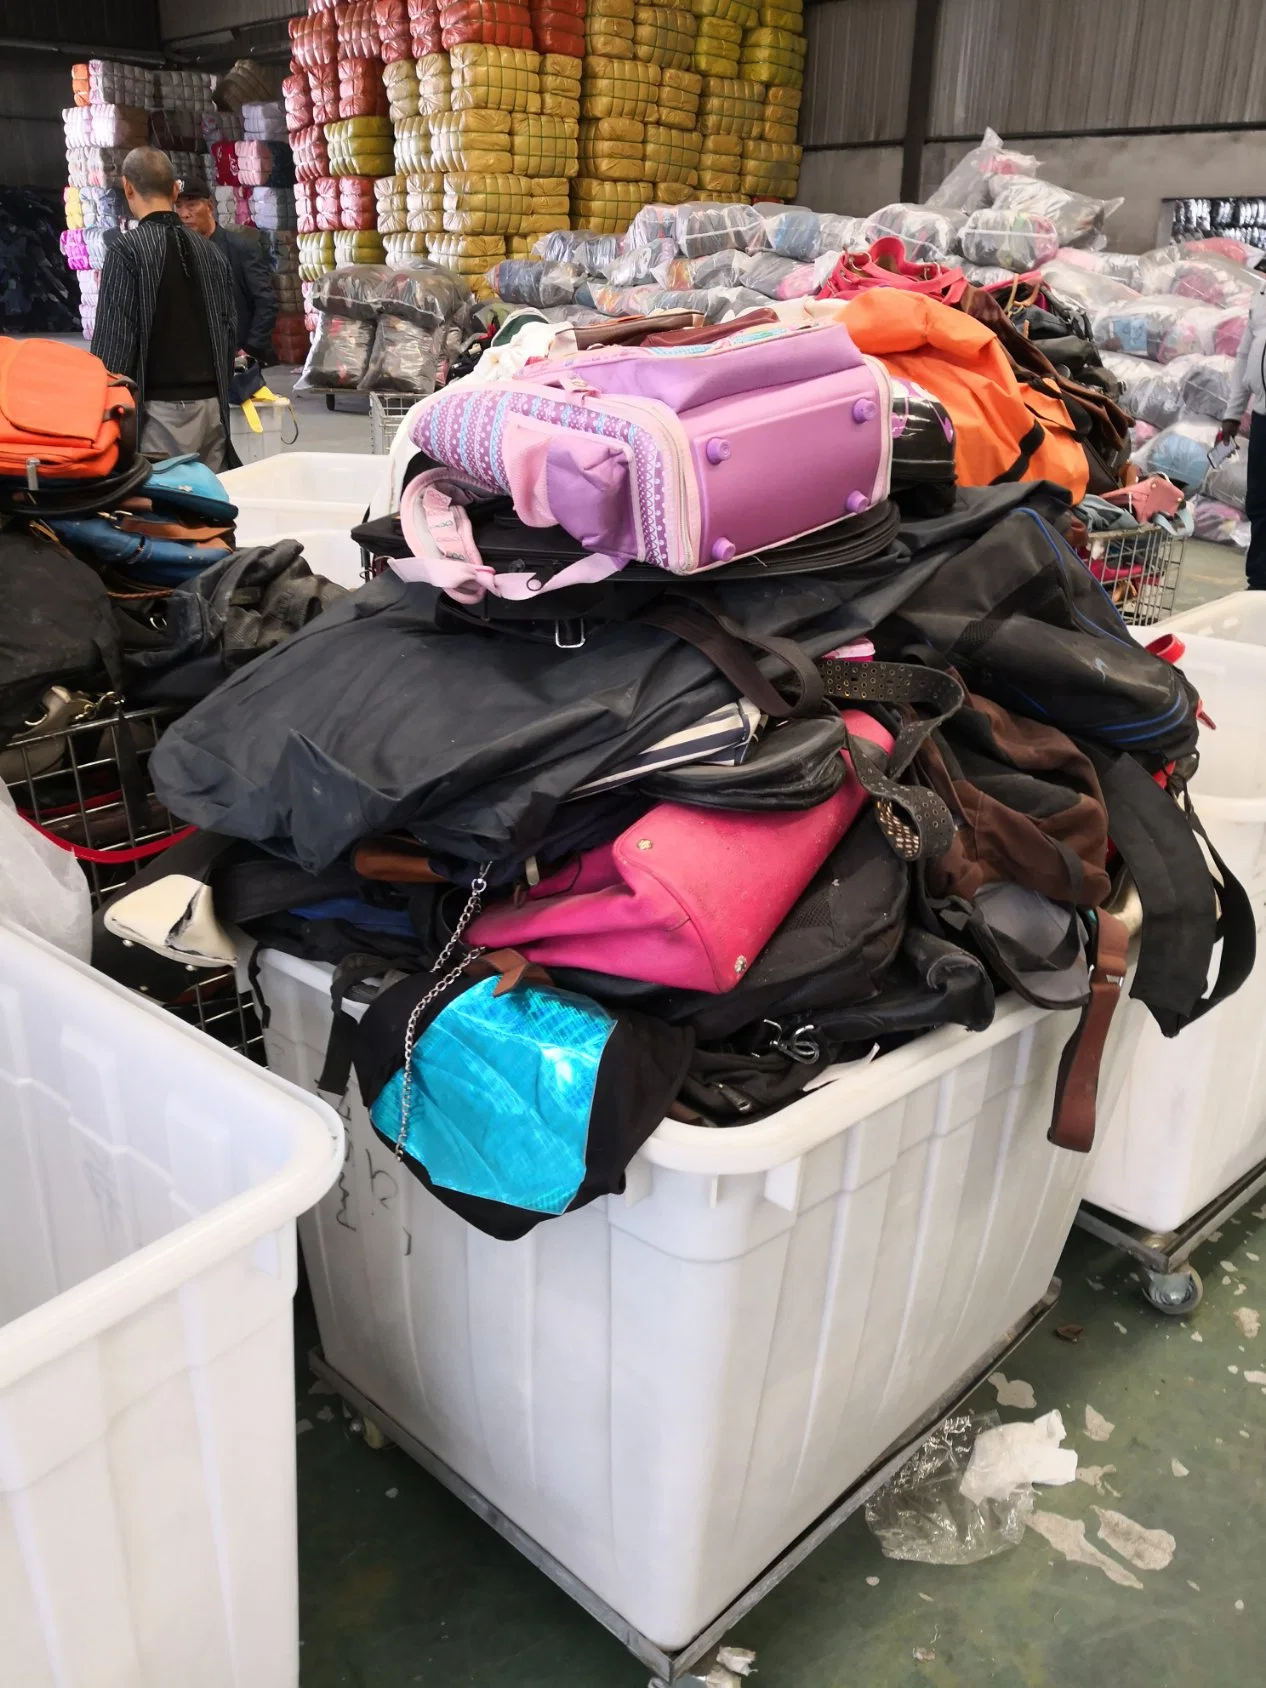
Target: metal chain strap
{"points": [[474, 903]]}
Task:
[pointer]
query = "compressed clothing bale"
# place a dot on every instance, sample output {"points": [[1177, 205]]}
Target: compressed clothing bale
{"points": [[469, 256], [360, 146], [226, 125], [677, 103], [311, 154], [607, 207], [357, 30], [395, 41], [773, 66], [435, 84], [413, 145], [561, 105], [672, 155], [710, 62], [613, 149], [73, 206], [425, 34], [491, 23], [561, 74], [105, 126], [264, 120], [424, 202], [391, 204], [313, 40], [543, 146], [741, 12], [358, 246], [609, 37], [403, 249], [676, 193], [224, 163], [558, 26], [771, 169], [273, 208], [356, 203], [316, 255], [326, 189], [263, 164], [174, 130], [109, 82], [95, 167], [296, 93], [619, 88], [400, 79], [665, 35], [323, 86], [360, 89], [476, 203], [731, 105], [472, 140], [494, 78]]}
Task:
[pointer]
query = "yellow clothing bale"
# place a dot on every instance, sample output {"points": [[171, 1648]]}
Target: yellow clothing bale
{"points": [[665, 35], [316, 255], [475, 203], [413, 145], [495, 78], [471, 140], [424, 202], [435, 84], [783, 100], [562, 67], [770, 167], [607, 207], [543, 146], [400, 79], [675, 193], [772, 73], [672, 155], [731, 106], [677, 105], [709, 63], [778, 40], [771, 131], [720, 35], [560, 105], [613, 149], [360, 146], [609, 38], [358, 246], [618, 88], [741, 12], [782, 17]]}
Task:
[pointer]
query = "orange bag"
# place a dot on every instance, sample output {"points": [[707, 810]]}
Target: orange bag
{"points": [[1003, 431], [63, 416]]}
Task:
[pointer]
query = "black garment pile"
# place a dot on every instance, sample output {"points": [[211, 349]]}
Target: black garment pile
{"points": [[36, 295]]}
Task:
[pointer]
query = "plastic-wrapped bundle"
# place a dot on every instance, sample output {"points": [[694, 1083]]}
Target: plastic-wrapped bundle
{"points": [[469, 256], [264, 164], [718, 47], [1076, 216], [653, 222], [185, 90], [74, 248], [105, 126], [558, 26], [1209, 385], [424, 202], [403, 359], [316, 255], [360, 89], [782, 17], [1211, 280], [405, 250], [1152, 392], [928, 236], [1017, 240], [607, 207], [731, 106], [311, 154], [592, 253], [425, 32], [264, 120], [391, 204], [422, 293], [471, 140], [400, 79], [224, 163], [613, 149], [357, 30], [358, 246], [492, 78], [987, 275], [1219, 524], [672, 155], [741, 12], [323, 85], [391, 19], [273, 208], [110, 82], [1228, 483], [95, 167], [1224, 246], [339, 353], [619, 88], [413, 151], [356, 203], [560, 84], [1164, 327], [771, 169], [289, 294], [225, 200], [1117, 266], [326, 197], [543, 146], [713, 270], [491, 23], [89, 283], [781, 119], [1093, 292], [103, 206], [775, 56], [223, 125], [678, 99], [617, 301], [665, 35], [968, 187], [609, 29], [720, 164], [313, 40], [702, 228], [360, 146], [477, 203], [1181, 452], [72, 206], [175, 131], [297, 96], [638, 266], [281, 249], [796, 233], [772, 276], [531, 281]]}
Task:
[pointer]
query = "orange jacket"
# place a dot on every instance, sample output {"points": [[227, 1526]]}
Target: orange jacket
{"points": [[961, 362]]}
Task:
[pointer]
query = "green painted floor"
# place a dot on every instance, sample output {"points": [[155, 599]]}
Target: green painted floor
{"points": [[401, 1585]]}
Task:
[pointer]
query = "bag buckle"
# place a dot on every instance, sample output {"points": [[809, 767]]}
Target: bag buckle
{"points": [[32, 474], [569, 644]]}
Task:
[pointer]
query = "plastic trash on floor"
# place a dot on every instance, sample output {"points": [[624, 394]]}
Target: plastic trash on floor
{"points": [[922, 1513]]}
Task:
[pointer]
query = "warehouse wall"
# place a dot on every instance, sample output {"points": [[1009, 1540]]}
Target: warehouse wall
{"points": [[33, 90], [1074, 81]]}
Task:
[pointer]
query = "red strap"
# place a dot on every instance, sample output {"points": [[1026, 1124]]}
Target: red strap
{"points": [[134, 853]]}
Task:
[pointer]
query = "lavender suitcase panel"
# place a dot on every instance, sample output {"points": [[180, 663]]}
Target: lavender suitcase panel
{"points": [[799, 457]]}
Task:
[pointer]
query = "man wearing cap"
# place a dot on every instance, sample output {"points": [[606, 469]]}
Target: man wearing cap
{"points": [[166, 320], [253, 291]]}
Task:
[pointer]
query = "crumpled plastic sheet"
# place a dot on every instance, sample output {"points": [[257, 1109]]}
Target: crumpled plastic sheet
{"points": [[1209, 385], [1076, 216], [968, 185], [1150, 391], [1181, 452], [1228, 483], [921, 1514], [1088, 288], [927, 236]]}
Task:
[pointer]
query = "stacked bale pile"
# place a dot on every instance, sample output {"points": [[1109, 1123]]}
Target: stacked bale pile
{"points": [[773, 56]]}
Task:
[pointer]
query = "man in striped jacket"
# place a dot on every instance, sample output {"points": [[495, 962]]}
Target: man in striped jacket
{"points": [[167, 319]]}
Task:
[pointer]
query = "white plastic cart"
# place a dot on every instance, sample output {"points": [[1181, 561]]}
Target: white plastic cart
{"points": [[666, 1399], [316, 497], [149, 1185]]}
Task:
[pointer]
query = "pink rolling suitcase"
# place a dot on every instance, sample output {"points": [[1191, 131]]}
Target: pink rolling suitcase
{"points": [[684, 457]]}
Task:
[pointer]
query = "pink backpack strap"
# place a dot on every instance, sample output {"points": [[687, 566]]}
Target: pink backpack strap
{"points": [[437, 529]]}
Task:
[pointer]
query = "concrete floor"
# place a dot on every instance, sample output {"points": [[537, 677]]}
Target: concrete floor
{"points": [[401, 1585]]}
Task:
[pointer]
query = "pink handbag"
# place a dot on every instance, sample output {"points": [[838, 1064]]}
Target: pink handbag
{"points": [[686, 897]]}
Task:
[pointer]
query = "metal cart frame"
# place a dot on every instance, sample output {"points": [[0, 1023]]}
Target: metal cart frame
{"points": [[386, 412], [1170, 1282], [379, 1427], [1139, 571]]}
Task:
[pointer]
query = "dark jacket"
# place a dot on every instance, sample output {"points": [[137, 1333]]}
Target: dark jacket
{"points": [[253, 292], [129, 293]]}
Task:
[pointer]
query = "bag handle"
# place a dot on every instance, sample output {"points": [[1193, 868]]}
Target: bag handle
{"points": [[1077, 1084], [916, 822], [726, 644]]}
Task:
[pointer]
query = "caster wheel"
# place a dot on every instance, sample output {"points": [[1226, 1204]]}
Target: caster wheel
{"points": [[1173, 1293], [373, 1435]]}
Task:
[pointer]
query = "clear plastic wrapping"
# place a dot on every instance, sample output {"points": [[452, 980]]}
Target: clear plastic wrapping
{"points": [[1150, 391], [535, 281], [968, 185], [929, 237], [339, 353], [426, 294], [1228, 483], [1148, 326], [1181, 452], [1208, 278], [653, 222], [702, 228], [1087, 288], [1218, 523], [768, 272], [1209, 385], [1121, 266], [403, 359], [922, 1515], [641, 263], [1077, 217], [1015, 240]]}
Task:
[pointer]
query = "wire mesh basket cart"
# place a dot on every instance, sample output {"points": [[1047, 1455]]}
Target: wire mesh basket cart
{"points": [[386, 412], [1139, 571], [84, 782]]}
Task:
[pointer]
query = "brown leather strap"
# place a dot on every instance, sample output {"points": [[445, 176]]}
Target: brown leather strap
{"points": [[391, 861], [1076, 1088]]}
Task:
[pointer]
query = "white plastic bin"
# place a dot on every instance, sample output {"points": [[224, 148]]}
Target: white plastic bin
{"points": [[275, 419], [149, 1183], [1192, 1114], [665, 1388], [317, 497], [1239, 617]]}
